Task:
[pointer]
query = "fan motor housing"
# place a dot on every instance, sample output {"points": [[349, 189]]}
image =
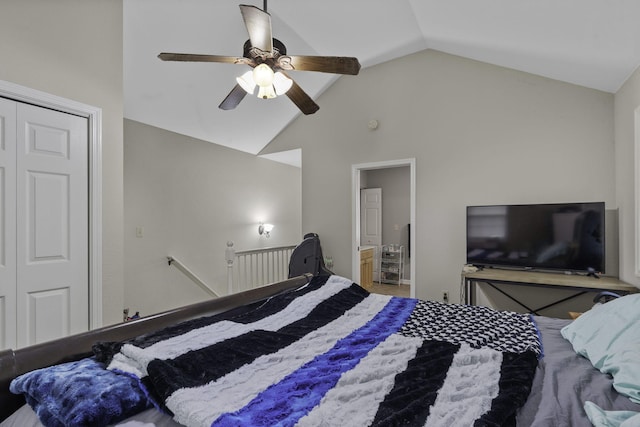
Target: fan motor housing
{"points": [[279, 49]]}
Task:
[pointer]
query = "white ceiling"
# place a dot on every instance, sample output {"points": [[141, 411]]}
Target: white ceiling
{"points": [[593, 43]]}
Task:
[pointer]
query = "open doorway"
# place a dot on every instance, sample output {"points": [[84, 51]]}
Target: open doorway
{"points": [[399, 233]]}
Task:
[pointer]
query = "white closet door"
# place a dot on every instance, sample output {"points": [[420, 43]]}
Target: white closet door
{"points": [[52, 225], [7, 223]]}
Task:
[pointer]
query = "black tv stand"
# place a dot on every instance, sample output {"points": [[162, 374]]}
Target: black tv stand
{"points": [[580, 283]]}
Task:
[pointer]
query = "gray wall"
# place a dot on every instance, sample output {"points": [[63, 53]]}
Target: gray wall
{"points": [[479, 133], [73, 49], [190, 197], [627, 100]]}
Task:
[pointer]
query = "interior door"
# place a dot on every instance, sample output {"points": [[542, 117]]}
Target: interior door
{"points": [[371, 221], [371, 216], [7, 223], [52, 224]]}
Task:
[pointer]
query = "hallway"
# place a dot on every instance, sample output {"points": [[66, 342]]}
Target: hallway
{"points": [[387, 289]]}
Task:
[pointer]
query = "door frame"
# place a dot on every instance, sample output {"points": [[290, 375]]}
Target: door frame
{"points": [[94, 118], [356, 170]]}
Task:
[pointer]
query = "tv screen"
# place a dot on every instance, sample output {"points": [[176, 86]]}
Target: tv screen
{"points": [[556, 236]]}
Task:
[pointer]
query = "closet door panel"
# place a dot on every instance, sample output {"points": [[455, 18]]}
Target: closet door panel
{"points": [[7, 224], [52, 236]]}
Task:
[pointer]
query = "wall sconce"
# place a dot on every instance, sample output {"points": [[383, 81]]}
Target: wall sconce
{"points": [[265, 229]]}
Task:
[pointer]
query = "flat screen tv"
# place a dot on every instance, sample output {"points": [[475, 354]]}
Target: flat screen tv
{"points": [[555, 236]]}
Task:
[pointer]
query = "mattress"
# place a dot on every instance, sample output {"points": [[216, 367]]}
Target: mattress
{"points": [[562, 383]]}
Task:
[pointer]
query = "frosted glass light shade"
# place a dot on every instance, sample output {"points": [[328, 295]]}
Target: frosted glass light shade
{"points": [[266, 92], [263, 75], [281, 83], [246, 82]]}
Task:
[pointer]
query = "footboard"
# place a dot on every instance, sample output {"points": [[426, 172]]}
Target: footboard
{"points": [[75, 347]]}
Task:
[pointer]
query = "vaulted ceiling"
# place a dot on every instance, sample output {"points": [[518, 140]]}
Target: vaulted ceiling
{"points": [[592, 43]]}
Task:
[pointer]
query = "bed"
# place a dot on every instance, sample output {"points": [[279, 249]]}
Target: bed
{"points": [[320, 350]]}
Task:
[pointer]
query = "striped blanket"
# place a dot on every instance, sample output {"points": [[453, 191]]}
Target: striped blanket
{"points": [[332, 354]]}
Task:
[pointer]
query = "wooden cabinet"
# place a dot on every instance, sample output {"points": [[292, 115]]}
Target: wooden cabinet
{"points": [[366, 267]]}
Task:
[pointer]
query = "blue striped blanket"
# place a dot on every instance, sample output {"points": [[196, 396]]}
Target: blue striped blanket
{"points": [[332, 354]]}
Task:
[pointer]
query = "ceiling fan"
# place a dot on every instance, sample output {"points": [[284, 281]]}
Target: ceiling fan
{"points": [[269, 60]]}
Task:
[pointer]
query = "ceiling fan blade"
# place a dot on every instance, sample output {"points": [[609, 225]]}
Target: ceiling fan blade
{"points": [[301, 99], [232, 100], [323, 64], [190, 57], [258, 23]]}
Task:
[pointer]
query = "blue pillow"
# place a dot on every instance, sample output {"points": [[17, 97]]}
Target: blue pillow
{"points": [[609, 336], [81, 393]]}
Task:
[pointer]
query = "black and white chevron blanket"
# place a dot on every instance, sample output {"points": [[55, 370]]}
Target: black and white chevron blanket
{"points": [[331, 354]]}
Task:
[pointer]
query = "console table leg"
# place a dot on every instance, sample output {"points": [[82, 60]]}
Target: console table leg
{"points": [[511, 298], [470, 292], [562, 300]]}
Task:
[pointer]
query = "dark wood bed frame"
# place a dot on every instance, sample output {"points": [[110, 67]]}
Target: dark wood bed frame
{"points": [[75, 347]]}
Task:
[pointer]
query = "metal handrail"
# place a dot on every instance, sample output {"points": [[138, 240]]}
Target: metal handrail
{"points": [[191, 275]]}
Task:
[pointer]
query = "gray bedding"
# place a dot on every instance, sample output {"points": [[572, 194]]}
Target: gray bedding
{"points": [[563, 382]]}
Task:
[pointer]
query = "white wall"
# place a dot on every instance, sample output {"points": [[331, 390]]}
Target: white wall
{"points": [[480, 134], [190, 197], [627, 100], [73, 49]]}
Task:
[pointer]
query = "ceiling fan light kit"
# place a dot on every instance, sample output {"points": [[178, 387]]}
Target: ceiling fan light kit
{"points": [[269, 60], [271, 84]]}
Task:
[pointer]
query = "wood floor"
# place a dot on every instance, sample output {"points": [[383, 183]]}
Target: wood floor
{"points": [[388, 289]]}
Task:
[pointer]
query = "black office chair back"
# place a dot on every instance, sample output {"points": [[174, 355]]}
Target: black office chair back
{"points": [[307, 258]]}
